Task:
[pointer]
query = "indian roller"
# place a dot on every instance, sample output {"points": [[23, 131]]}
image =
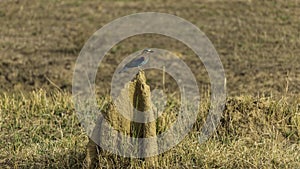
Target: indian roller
{"points": [[138, 61]]}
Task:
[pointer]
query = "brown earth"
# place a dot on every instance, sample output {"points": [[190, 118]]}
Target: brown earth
{"points": [[258, 42]]}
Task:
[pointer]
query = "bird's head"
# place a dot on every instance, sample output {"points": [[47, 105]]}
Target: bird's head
{"points": [[147, 51]]}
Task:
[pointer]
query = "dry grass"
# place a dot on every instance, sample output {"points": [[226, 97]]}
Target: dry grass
{"points": [[41, 130], [258, 41]]}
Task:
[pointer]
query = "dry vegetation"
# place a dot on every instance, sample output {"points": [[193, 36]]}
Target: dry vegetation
{"points": [[258, 43], [42, 131]]}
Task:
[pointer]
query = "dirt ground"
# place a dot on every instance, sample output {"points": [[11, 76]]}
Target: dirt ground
{"points": [[258, 42]]}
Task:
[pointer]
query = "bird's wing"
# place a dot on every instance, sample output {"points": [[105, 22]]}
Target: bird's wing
{"points": [[135, 62]]}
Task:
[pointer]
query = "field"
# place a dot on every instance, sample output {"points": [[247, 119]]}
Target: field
{"points": [[258, 43]]}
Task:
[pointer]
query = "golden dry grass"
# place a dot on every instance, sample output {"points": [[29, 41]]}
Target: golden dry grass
{"points": [[41, 130]]}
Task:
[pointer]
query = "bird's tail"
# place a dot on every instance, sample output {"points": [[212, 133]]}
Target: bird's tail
{"points": [[123, 70]]}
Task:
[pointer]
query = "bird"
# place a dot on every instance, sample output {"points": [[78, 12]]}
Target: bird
{"points": [[138, 61]]}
